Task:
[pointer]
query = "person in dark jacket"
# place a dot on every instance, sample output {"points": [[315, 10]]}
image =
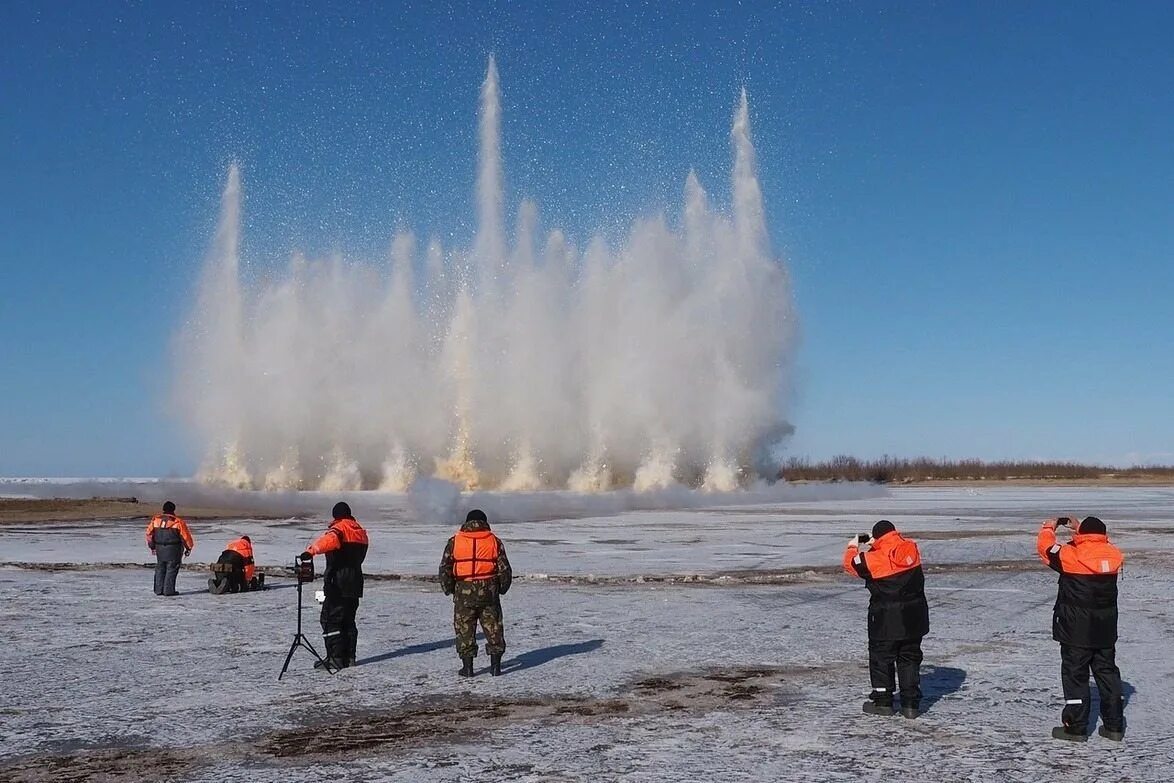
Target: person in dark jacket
{"points": [[898, 615], [1084, 622], [474, 570], [170, 541], [345, 546], [235, 570]]}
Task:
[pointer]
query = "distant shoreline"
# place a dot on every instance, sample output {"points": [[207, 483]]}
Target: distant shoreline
{"points": [[15, 511]]}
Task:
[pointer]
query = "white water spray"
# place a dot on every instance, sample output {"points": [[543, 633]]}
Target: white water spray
{"points": [[519, 364]]}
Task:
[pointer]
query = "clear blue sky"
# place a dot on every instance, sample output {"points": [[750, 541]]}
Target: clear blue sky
{"points": [[976, 199]]}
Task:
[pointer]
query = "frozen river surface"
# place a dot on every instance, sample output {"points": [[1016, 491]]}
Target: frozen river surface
{"points": [[608, 681]]}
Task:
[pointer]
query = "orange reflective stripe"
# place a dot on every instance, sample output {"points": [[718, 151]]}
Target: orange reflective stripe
{"points": [[475, 555]]}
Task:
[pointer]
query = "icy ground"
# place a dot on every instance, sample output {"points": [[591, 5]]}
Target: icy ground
{"points": [[604, 681]]}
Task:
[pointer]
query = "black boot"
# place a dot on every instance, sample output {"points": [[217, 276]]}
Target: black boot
{"points": [[1062, 733], [466, 667], [495, 665], [1110, 734], [879, 708], [910, 711]]}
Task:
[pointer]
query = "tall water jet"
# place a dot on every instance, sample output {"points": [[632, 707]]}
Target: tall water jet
{"points": [[519, 363]]}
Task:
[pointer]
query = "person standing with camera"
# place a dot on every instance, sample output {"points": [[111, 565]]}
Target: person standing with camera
{"points": [[898, 615], [170, 541], [1084, 622], [475, 571], [345, 546]]}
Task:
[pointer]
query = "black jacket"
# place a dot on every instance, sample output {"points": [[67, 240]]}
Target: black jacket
{"points": [[1085, 614], [891, 569]]}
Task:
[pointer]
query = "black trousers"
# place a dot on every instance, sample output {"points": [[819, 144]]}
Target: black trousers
{"points": [[889, 660], [167, 560], [339, 631], [1075, 664]]}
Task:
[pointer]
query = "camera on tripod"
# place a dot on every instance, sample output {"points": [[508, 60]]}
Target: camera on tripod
{"points": [[303, 570]]}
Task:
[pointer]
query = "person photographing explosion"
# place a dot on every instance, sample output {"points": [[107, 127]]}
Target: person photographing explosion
{"points": [[1084, 622], [898, 615], [345, 545]]}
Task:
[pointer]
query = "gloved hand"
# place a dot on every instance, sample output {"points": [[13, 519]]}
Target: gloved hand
{"points": [[320, 596], [304, 556], [187, 553], [1050, 524], [152, 551]]}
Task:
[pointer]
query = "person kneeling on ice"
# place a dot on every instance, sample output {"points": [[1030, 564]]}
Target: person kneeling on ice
{"points": [[235, 571], [345, 546], [170, 541], [1084, 622], [898, 615], [476, 572]]}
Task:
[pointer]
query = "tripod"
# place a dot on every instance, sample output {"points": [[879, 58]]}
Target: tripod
{"points": [[300, 639]]}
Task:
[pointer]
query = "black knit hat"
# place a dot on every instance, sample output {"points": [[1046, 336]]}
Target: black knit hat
{"points": [[168, 507], [476, 515], [882, 527], [342, 511], [1092, 525]]}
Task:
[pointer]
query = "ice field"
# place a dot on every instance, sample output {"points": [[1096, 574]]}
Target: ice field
{"points": [[748, 665]]}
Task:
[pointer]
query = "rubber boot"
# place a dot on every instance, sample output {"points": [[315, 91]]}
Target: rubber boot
{"points": [[910, 712], [495, 665], [1109, 734], [466, 667], [875, 708], [1062, 733]]}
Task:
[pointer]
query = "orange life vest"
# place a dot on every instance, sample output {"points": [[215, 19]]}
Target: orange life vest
{"points": [[241, 547], [474, 555]]}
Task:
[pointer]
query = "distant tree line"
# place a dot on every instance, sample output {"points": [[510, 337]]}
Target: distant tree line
{"points": [[887, 470]]}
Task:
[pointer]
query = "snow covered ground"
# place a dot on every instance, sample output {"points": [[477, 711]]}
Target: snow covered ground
{"points": [[604, 681]]}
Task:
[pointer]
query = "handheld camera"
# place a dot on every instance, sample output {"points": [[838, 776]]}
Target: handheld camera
{"points": [[1064, 522]]}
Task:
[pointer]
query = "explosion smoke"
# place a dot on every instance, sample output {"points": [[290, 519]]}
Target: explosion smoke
{"points": [[507, 366]]}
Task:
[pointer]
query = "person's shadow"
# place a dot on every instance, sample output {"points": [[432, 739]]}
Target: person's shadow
{"points": [[412, 649], [937, 682], [1094, 703], [528, 660]]}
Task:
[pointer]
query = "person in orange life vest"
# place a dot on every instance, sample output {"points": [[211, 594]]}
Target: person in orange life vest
{"points": [[1084, 622], [474, 570], [898, 615], [169, 540], [345, 545], [238, 554]]}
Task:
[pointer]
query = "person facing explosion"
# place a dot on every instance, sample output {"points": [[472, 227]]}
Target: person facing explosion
{"points": [[475, 571], [235, 570], [898, 615], [1084, 622], [170, 541], [345, 545]]}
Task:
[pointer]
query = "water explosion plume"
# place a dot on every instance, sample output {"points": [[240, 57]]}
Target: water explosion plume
{"points": [[517, 364]]}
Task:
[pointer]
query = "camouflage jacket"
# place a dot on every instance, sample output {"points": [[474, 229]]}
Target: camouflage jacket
{"points": [[488, 588]]}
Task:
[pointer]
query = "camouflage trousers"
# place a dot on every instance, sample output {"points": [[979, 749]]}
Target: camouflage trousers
{"points": [[470, 609]]}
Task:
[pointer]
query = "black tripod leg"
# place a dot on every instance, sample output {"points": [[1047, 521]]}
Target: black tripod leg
{"points": [[289, 656]]}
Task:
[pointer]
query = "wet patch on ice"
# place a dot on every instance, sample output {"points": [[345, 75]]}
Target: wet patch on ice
{"points": [[435, 720]]}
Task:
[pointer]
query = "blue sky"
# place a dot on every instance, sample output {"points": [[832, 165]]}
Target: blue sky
{"points": [[976, 200]]}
